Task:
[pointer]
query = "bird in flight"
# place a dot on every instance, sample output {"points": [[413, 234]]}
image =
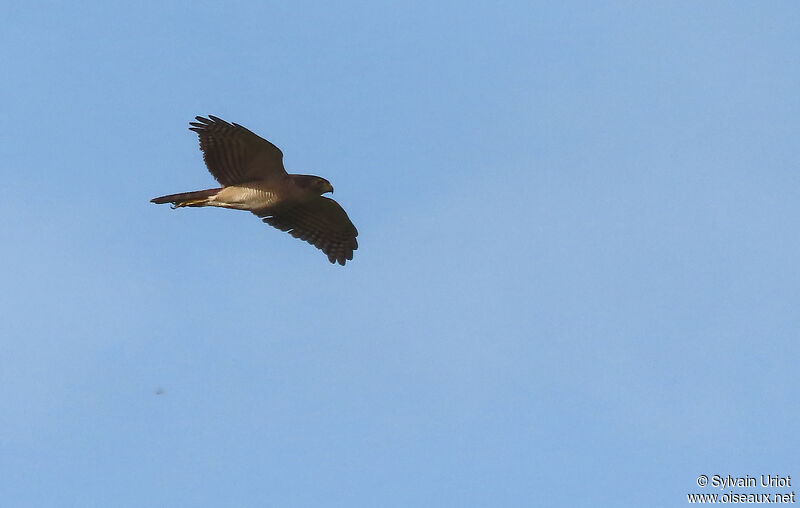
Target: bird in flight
{"points": [[250, 170]]}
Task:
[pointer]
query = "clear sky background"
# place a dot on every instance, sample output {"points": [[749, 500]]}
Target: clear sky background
{"points": [[577, 279]]}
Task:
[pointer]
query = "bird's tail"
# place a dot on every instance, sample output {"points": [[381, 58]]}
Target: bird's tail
{"points": [[195, 198]]}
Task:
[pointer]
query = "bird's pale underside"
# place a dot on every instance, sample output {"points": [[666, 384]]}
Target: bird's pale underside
{"points": [[250, 170]]}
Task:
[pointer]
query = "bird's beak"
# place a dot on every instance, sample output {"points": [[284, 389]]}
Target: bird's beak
{"points": [[331, 189]]}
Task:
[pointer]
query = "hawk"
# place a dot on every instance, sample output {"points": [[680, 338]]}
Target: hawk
{"points": [[251, 172]]}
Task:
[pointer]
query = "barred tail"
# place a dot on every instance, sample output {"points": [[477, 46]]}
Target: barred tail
{"points": [[195, 198]]}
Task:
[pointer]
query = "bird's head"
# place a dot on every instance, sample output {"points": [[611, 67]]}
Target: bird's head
{"points": [[313, 183], [324, 186]]}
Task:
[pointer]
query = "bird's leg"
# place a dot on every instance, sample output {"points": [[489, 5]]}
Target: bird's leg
{"points": [[193, 202]]}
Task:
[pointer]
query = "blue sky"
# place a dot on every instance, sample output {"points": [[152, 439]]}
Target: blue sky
{"points": [[576, 282]]}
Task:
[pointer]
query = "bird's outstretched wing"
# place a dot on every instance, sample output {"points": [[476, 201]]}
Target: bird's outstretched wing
{"points": [[235, 155], [320, 222]]}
